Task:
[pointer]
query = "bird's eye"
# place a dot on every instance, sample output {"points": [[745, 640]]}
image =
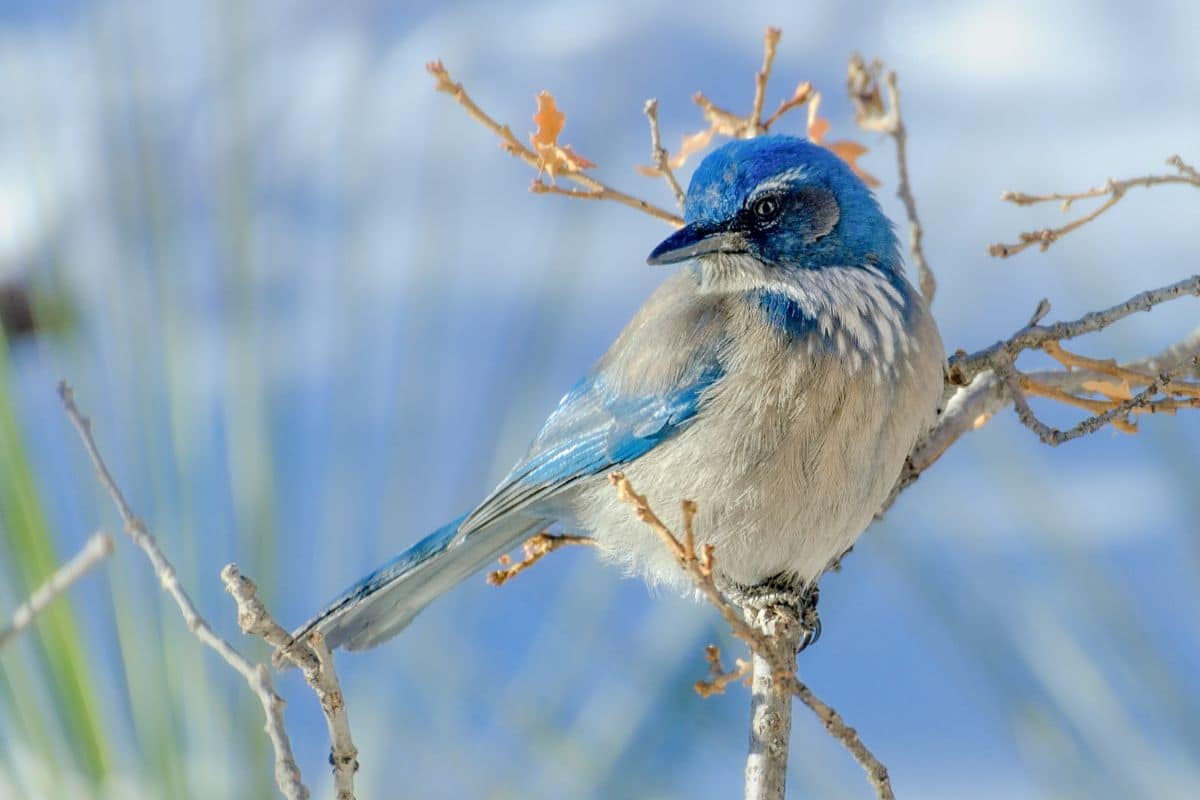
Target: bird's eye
{"points": [[766, 209]]}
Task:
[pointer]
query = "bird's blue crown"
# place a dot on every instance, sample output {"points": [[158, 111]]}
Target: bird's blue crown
{"points": [[796, 204]]}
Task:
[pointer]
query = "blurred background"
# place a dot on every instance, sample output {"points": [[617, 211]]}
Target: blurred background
{"points": [[314, 313]]}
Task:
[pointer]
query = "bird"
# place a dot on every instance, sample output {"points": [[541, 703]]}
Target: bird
{"points": [[779, 378]]}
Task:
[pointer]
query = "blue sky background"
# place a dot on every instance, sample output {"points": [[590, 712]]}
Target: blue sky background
{"points": [[317, 314]]}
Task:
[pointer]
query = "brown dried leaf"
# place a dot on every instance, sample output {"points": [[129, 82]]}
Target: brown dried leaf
{"points": [[846, 150], [850, 152], [573, 159], [1112, 390], [691, 144], [549, 121]]}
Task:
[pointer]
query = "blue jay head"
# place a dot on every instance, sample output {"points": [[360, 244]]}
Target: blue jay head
{"points": [[783, 202]]}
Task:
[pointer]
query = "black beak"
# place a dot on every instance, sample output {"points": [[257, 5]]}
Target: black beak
{"points": [[696, 240]]}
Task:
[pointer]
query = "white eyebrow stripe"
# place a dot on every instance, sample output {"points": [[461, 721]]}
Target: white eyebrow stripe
{"points": [[778, 182]]}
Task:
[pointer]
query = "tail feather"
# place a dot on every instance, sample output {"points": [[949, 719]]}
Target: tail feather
{"points": [[383, 603]]}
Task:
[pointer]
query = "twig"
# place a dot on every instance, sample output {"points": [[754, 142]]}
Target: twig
{"points": [[511, 144], [1114, 190], [736, 126], [698, 566], [536, 548], [877, 773], [770, 45], [315, 662], [287, 773], [862, 83], [659, 154], [802, 94], [718, 676], [773, 635], [97, 548]]}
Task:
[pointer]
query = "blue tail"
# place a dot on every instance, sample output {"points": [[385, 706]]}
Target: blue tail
{"points": [[383, 603]]}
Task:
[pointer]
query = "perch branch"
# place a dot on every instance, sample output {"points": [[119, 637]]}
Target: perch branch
{"points": [[287, 773], [862, 84], [315, 662], [1113, 190], [593, 189], [97, 548]]}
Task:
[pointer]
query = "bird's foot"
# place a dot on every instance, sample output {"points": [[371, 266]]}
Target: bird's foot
{"points": [[784, 597]]}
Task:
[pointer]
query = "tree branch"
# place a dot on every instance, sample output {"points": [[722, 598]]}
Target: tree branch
{"points": [[287, 773], [95, 550]]}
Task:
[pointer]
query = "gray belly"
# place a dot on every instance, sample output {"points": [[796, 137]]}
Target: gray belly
{"points": [[788, 462]]}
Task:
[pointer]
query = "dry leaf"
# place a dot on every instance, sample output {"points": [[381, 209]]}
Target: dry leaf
{"points": [[849, 152], [549, 121], [846, 150], [575, 160], [691, 144], [554, 157], [1114, 391]]}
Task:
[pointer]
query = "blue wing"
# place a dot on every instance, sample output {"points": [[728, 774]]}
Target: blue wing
{"points": [[597, 428], [649, 386]]}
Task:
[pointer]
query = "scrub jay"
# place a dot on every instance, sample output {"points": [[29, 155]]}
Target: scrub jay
{"points": [[779, 379]]}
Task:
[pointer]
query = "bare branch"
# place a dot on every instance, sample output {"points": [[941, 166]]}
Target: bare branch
{"points": [[862, 83], [1114, 190], [314, 660], [659, 154], [594, 189], [287, 773], [95, 550], [536, 548]]}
